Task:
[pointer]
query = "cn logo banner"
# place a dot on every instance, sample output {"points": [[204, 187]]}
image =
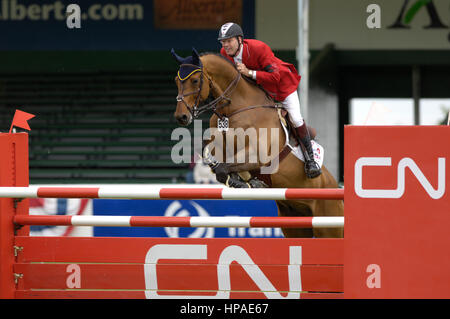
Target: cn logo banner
{"points": [[397, 211], [404, 163], [226, 256]]}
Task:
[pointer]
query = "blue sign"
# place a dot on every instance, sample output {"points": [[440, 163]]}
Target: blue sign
{"points": [[185, 208], [116, 25]]}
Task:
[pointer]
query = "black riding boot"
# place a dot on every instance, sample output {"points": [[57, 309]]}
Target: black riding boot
{"points": [[312, 169]]}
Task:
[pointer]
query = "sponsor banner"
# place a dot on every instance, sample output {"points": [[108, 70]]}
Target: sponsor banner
{"points": [[119, 24], [196, 14], [186, 208], [60, 206], [397, 205], [174, 268]]}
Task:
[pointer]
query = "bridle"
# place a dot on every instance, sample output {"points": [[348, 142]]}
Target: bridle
{"points": [[197, 109]]}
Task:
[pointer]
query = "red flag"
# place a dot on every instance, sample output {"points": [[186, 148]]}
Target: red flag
{"points": [[20, 120]]}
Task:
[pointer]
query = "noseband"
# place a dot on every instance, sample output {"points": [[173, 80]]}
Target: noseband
{"points": [[197, 109]]}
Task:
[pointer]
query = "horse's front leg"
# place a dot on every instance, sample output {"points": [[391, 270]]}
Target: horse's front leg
{"points": [[227, 172]]}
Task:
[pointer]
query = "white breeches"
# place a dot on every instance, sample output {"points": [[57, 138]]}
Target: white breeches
{"points": [[292, 105]]}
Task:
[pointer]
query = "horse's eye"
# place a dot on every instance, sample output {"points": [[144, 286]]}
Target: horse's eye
{"points": [[194, 81]]}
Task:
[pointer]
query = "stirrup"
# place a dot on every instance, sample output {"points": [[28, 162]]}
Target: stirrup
{"points": [[310, 170]]}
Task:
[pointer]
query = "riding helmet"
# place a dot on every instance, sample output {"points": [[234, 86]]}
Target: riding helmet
{"points": [[230, 30]]}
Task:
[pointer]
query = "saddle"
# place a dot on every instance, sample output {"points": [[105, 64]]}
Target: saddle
{"points": [[284, 118]]}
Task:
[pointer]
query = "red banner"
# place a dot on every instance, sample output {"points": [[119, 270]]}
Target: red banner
{"points": [[169, 268], [397, 205]]}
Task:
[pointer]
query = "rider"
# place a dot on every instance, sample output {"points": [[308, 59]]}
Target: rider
{"points": [[255, 59]]}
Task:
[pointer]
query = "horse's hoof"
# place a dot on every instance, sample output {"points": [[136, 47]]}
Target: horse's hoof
{"points": [[234, 181], [256, 183], [237, 184]]}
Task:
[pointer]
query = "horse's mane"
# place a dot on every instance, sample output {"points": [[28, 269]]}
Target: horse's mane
{"points": [[219, 56], [250, 81]]}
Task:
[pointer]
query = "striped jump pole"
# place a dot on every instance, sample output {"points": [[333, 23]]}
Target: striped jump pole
{"points": [[160, 221], [152, 192]]}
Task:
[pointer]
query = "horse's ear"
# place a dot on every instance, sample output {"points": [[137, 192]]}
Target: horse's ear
{"points": [[195, 57], [176, 56]]}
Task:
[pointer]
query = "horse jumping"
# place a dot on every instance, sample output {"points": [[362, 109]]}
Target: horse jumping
{"points": [[245, 105]]}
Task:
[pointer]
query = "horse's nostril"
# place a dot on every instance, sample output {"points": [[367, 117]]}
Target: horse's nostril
{"points": [[182, 119]]}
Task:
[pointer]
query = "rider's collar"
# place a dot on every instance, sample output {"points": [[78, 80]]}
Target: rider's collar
{"points": [[238, 56], [186, 70]]}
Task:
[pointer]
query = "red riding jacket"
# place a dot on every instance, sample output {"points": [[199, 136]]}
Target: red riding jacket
{"points": [[278, 78]]}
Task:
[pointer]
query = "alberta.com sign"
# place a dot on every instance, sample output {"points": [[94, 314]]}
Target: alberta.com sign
{"points": [[128, 25], [13, 10]]}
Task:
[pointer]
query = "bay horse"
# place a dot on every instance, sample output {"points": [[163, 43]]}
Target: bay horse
{"points": [[209, 82]]}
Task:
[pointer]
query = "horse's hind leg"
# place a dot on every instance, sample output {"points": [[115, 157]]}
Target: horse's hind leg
{"points": [[286, 210]]}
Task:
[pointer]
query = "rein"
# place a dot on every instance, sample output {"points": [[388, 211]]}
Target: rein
{"points": [[275, 106], [253, 107]]}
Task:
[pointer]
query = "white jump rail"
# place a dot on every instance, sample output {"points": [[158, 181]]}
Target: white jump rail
{"points": [[151, 192], [160, 221]]}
